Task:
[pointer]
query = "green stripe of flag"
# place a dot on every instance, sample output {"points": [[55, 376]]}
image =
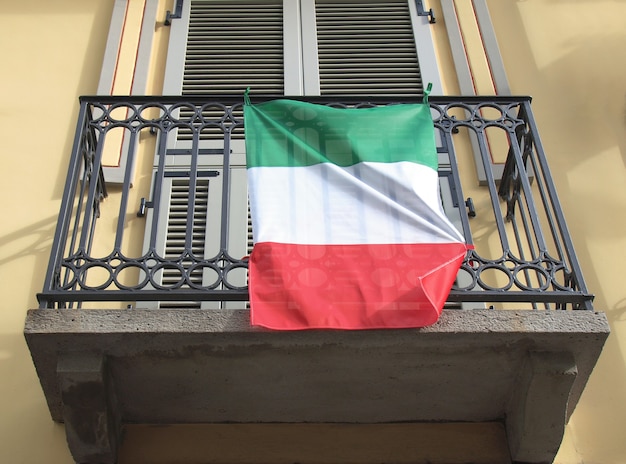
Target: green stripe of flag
{"points": [[293, 133]]}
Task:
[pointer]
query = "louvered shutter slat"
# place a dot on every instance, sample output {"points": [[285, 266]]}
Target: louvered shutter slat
{"points": [[232, 45], [176, 234], [367, 48]]}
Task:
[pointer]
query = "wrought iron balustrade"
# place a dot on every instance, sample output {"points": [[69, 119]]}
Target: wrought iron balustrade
{"points": [[523, 253]]}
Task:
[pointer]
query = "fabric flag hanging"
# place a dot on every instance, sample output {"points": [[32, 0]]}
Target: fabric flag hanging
{"points": [[347, 220]]}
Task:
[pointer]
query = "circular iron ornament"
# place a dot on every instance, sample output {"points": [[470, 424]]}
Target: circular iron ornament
{"points": [[540, 274], [163, 112], [467, 112], [131, 113], [163, 267], [82, 275], [200, 267], [213, 113], [233, 267], [181, 107], [500, 268], [128, 265], [483, 108]]}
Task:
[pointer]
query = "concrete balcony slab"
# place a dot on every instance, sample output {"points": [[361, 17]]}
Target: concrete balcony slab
{"points": [[526, 369]]}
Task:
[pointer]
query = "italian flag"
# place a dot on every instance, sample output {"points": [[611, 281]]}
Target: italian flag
{"points": [[348, 226]]}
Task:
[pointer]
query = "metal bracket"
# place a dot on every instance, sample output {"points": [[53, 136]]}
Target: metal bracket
{"points": [[471, 210], [145, 204], [178, 13], [422, 12], [142, 207]]}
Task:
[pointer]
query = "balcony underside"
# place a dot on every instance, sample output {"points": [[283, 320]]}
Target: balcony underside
{"points": [[400, 443], [525, 369]]}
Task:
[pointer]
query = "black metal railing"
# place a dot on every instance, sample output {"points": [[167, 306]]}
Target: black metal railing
{"points": [[138, 248]]}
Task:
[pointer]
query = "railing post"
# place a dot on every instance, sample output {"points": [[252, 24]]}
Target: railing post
{"points": [[65, 209], [557, 210]]}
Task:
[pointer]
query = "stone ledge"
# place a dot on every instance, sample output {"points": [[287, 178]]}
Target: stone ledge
{"points": [[220, 321], [190, 366]]}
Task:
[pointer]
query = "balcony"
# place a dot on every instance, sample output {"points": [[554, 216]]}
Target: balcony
{"points": [[143, 316]]}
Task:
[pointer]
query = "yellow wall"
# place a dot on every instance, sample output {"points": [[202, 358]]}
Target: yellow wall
{"points": [[51, 53], [571, 61], [567, 55]]}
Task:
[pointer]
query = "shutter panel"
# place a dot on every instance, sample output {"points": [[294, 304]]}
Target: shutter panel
{"points": [[232, 45], [176, 229], [206, 233], [177, 218], [367, 48]]}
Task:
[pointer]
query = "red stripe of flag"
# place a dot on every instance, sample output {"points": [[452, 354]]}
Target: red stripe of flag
{"points": [[295, 287]]}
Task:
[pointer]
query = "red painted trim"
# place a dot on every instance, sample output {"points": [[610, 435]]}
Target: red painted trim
{"points": [[470, 67], [482, 41], [143, 17], [458, 24], [119, 50]]}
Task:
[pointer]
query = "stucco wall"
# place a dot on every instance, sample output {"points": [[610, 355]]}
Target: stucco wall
{"points": [[51, 54], [570, 59]]}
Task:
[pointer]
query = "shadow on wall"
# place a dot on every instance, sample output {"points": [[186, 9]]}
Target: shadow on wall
{"points": [[580, 118], [75, 33], [555, 51], [31, 242], [91, 21]]}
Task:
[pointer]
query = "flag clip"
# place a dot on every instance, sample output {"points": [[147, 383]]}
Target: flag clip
{"points": [[427, 90]]}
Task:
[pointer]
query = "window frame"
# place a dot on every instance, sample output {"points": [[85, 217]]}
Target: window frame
{"points": [[109, 85]]}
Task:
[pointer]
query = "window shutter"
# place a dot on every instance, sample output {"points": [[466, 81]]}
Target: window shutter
{"points": [[367, 48], [176, 228], [206, 234], [225, 46], [232, 45]]}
